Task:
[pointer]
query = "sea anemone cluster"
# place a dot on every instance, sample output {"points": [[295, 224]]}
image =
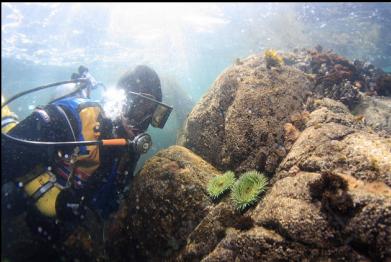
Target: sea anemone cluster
{"points": [[273, 59], [218, 185], [245, 192]]}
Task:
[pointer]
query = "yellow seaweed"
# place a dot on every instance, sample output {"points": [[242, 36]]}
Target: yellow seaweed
{"points": [[273, 59]]}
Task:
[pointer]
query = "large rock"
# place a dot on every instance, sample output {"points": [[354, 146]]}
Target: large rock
{"points": [[347, 212], [289, 208], [314, 217], [336, 141], [167, 202], [239, 123]]}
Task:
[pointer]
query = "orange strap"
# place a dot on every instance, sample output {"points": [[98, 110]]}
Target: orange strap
{"points": [[114, 142]]}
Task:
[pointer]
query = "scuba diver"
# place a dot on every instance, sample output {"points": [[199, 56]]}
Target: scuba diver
{"points": [[67, 160]]}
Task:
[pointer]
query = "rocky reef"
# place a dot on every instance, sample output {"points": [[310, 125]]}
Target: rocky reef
{"points": [[330, 191]]}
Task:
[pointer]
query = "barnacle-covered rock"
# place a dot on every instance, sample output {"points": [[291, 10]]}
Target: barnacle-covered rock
{"points": [[313, 216], [335, 141], [238, 124], [167, 202]]}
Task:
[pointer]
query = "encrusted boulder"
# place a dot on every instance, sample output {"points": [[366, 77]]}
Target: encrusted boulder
{"points": [[312, 216], [339, 206], [167, 202], [336, 141], [239, 123]]}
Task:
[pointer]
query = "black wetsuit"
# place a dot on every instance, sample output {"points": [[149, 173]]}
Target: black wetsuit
{"points": [[18, 159]]}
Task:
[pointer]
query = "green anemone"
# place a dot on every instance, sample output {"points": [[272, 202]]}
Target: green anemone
{"points": [[247, 189], [220, 184]]}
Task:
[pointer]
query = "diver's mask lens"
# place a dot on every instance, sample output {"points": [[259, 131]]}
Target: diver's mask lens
{"points": [[142, 106], [160, 116], [142, 103], [139, 108]]}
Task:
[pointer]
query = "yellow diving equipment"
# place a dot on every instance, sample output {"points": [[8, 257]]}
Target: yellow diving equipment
{"points": [[8, 118], [41, 186], [44, 186]]}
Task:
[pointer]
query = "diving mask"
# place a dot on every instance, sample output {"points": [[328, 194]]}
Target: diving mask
{"points": [[141, 106]]}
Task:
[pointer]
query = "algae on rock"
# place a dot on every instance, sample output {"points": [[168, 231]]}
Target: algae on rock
{"points": [[238, 124]]}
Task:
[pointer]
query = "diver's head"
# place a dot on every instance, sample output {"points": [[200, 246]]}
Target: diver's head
{"points": [[143, 92]]}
